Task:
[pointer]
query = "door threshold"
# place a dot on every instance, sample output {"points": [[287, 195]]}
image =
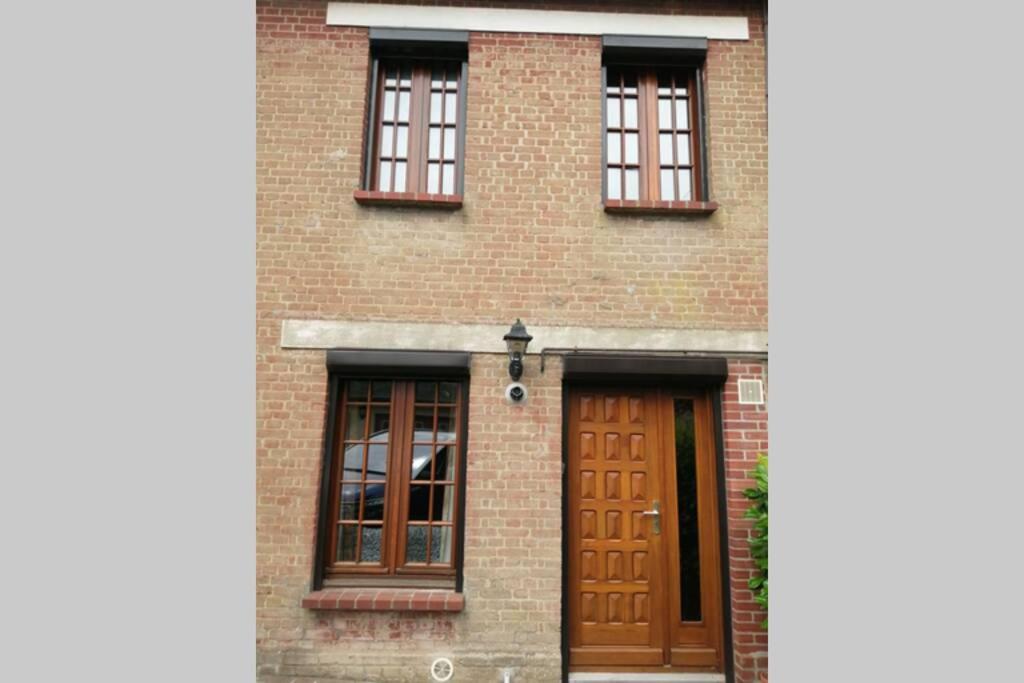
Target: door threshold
{"points": [[627, 677]]}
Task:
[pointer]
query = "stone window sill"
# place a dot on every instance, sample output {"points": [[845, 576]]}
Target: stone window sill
{"points": [[412, 199], [385, 600], [661, 207]]}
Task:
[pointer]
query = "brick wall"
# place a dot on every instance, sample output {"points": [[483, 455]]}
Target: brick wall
{"points": [[745, 428], [532, 241], [532, 219]]}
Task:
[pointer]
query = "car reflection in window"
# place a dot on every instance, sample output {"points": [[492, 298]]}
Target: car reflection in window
{"points": [[376, 468]]}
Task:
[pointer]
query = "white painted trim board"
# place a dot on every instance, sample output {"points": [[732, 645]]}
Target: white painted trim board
{"points": [[536, 21]]}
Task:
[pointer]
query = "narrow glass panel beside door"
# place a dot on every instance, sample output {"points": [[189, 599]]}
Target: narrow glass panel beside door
{"points": [[686, 487]]}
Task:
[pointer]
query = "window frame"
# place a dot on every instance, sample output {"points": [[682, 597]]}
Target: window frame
{"points": [[651, 54], [648, 130], [394, 574], [418, 48]]}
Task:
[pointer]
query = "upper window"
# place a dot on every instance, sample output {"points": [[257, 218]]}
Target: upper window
{"points": [[653, 140], [417, 141], [393, 481], [416, 116]]}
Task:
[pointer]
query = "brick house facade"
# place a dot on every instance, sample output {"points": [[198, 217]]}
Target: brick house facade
{"points": [[669, 288]]}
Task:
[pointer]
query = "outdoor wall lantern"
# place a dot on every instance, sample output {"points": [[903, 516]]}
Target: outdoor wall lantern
{"points": [[517, 340]]}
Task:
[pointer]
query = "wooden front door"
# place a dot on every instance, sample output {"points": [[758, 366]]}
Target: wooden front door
{"points": [[644, 582]]}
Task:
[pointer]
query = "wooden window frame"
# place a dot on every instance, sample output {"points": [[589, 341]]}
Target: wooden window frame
{"points": [[392, 571], [648, 58], [421, 58]]}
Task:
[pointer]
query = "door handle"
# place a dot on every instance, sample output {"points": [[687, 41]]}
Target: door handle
{"points": [[656, 513]]}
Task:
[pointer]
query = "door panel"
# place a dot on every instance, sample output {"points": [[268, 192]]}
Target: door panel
{"points": [[634, 575], [614, 553]]}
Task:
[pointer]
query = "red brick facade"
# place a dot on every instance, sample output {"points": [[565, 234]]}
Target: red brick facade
{"points": [[530, 239]]}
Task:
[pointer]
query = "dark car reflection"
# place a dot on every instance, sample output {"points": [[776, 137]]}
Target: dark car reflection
{"points": [[419, 496]]}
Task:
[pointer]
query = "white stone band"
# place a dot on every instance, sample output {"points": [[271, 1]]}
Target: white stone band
{"points": [[535, 21]]}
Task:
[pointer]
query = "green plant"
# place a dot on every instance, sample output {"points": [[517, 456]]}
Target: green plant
{"points": [[758, 496]]}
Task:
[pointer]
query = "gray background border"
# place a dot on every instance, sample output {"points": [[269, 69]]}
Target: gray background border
{"points": [[128, 393]]}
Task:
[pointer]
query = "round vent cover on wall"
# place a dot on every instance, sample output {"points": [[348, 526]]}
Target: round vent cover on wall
{"points": [[441, 669]]}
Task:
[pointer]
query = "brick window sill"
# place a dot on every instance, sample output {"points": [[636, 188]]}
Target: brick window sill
{"points": [[659, 207], [385, 600], [412, 199]]}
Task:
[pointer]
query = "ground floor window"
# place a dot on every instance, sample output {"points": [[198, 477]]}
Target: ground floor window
{"points": [[393, 476]]}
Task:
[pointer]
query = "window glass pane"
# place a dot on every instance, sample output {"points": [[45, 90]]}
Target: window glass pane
{"points": [[370, 551], [419, 502], [453, 77], [391, 79], [665, 149], [434, 144], [436, 77], [377, 462], [386, 138], [389, 106], [381, 391], [449, 392], [402, 150], [423, 423], [416, 544], [400, 176], [683, 147], [441, 463], [630, 113], [632, 148], [347, 543], [689, 533], [614, 115], [444, 501], [355, 423], [682, 114], [451, 110], [358, 390], [403, 106], [434, 178], [665, 114], [350, 497], [435, 107], [685, 190], [425, 392], [668, 184], [440, 544], [632, 183], [448, 179], [406, 76], [449, 143], [380, 421], [373, 502], [353, 462], [614, 183], [444, 470], [422, 454], [614, 148], [446, 424], [384, 184]]}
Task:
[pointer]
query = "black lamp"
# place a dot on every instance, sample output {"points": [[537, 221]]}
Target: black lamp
{"points": [[517, 340]]}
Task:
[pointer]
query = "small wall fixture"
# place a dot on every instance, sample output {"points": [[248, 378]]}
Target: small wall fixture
{"points": [[517, 340]]}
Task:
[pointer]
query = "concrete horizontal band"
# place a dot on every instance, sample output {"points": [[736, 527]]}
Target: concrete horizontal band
{"points": [[476, 338], [535, 21]]}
